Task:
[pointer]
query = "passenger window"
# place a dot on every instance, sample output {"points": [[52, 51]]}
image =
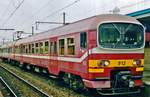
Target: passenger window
{"points": [[10, 49], [17, 50], [51, 48], [62, 46], [32, 48], [71, 46], [55, 47], [26, 49], [6, 50], [41, 47], [46, 47], [36, 48], [23, 49], [83, 40], [29, 48]]}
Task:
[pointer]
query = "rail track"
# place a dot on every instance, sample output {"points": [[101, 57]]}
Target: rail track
{"points": [[34, 88], [50, 85], [5, 89]]}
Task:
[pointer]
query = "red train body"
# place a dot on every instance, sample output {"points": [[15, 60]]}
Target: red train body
{"points": [[104, 51]]}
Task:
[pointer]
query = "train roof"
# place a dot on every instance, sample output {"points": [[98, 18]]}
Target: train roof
{"points": [[78, 26]]}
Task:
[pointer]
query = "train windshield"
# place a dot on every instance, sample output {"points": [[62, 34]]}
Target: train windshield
{"points": [[121, 35]]}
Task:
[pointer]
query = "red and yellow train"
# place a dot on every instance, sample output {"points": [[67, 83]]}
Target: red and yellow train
{"points": [[103, 52]]}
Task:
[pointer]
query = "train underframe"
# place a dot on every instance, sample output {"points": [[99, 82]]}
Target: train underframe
{"points": [[121, 81]]}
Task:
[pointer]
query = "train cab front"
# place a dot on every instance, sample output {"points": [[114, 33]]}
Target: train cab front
{"points": [[116, 65], [115, 77]]}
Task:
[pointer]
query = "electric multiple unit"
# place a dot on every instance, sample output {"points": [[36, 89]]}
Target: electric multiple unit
{"points": [[104, 52]]}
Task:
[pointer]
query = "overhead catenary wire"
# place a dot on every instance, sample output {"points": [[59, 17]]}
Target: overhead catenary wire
{"points": [[13, 2], [12, 12], [37, 12], [51, 14], [17, 1], [9, 17], [55, 12], [61, 9], [44, 6], [4, 12]]}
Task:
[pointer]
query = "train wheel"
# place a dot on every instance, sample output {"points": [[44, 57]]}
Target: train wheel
{"points": [[28, 67], [21, 65], [45, 71], [74, 82], [77, 84], [36, 69], [93, 91], [65, 78]]}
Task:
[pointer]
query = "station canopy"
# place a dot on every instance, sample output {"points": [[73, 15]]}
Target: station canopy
{"points": [[143, 16]]}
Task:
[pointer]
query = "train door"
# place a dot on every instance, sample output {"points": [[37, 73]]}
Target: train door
{"points": [[53, 65]]}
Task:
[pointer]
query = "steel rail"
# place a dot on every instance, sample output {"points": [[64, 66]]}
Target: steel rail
{"points": [[28, 83], [8, 87]]}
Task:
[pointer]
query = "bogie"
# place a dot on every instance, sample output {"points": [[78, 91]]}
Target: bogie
{"points": [[73, 81]]}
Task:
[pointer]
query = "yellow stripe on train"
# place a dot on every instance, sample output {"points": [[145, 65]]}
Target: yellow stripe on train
{"points": [[140, 69], [96, 70], [115, 63]]}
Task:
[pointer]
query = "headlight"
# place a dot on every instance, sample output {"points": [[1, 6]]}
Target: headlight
{"points": [[137, 62], [104, 63], [131, 84]]}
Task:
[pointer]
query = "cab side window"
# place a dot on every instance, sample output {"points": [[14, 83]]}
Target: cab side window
{"points": [[83, 40]]}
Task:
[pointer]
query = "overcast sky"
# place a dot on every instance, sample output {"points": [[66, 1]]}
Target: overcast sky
{"points": [[51, 10]]}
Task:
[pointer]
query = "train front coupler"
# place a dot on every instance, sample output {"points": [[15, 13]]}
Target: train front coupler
{"points": [[122, 79], [121, 84]]}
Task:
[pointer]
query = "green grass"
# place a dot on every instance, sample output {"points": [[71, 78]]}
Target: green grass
{"points": [[147, 65], [19, 87], [147, 55]]}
